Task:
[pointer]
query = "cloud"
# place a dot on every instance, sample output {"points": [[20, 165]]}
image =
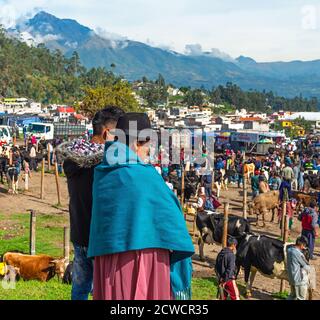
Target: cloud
{"points": [[109, 35], [35, 39], [193, 49], [265, 31], [221, 55], [162, 46]]}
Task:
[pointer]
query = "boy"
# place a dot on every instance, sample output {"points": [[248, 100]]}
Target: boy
{"points": [[226, 271]]}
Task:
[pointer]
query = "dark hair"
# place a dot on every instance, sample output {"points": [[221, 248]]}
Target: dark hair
{"points": [[313, 204], [232, 241], [105, 117], [302, 240]]}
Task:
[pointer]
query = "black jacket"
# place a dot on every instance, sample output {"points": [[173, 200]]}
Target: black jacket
{"points": [[79, 169], [225, 265]]}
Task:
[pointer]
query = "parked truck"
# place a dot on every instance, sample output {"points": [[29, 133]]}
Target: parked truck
{"points": [[50, 131]]}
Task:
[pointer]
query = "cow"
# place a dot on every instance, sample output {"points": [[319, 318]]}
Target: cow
{"points": [[264, 254], [313, 179], [67, 277], [13, 179], [210, 227], [249, 169], [3, 167], [263, 203], [38, 267], [304, 199], [191, 187]]}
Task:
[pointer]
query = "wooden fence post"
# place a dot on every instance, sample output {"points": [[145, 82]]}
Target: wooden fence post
{"points": [[42, 180], [284, 213], [48, 157], [182, 187], [66, 241], [26, 181], [57, 183], [245, 194], [32, 240], [285, 239], [225, 225]]}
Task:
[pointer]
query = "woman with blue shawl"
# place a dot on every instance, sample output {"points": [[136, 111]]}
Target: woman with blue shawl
{"points": [[138, 235]]}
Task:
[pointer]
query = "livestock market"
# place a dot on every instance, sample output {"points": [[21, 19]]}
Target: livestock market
{"points": [[162, 159], [248, 221]]}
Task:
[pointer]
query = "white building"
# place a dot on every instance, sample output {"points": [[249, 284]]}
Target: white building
{"points": [[19, 106]]}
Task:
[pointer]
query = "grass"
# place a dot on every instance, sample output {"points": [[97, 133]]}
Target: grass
{"points": [[281, 295], [204, 288], [49, 233], [35, 290], [14, 235]]}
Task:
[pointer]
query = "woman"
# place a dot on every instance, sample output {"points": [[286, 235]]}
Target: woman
{"points": [[138, 235]]}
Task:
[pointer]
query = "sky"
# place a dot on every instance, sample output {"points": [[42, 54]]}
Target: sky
{"points": [[270, 30]]}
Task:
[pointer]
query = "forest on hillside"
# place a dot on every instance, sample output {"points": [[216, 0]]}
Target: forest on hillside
{"points": [[45, 76], [50, 77], [230, 96]]}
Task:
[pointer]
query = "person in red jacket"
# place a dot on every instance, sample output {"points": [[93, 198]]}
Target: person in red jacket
{"points": [[309, 220]]}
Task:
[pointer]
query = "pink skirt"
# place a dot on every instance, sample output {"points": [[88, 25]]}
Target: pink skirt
{"points": [[133, 275]]}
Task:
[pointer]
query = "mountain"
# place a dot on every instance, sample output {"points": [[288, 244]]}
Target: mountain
{"points": [[134, 60]]}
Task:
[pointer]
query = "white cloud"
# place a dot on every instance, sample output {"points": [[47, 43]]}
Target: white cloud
{"points": [[194, 49], [269, 30]]}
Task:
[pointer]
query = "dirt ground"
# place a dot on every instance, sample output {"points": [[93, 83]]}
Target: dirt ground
{"points": [[263, 287], [30, 199]]}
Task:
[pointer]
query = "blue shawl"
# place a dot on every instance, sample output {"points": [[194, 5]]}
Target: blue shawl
{"points": [[133, 209]]}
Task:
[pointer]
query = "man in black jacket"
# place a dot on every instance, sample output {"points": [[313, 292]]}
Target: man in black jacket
{"points": [[80, 158], [226, 271]]}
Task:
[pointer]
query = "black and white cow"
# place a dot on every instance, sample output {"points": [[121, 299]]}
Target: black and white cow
{"points": [[264, 254], [191, 187], [210, 227]]}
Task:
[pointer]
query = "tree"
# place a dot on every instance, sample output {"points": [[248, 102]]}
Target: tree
{"points": [[119, 94], [194, 98], [302, 122]]}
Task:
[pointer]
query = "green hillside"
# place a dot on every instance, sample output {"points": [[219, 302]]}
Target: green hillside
{"points": [[48, 77]]}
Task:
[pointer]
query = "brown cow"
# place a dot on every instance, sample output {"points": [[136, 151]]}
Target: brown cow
{"points": [[303, 199], [263, 203], [40, 267]]}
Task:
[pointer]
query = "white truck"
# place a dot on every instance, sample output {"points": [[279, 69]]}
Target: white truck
{"points": [[6, 134], [49, 131], [41, 130]]}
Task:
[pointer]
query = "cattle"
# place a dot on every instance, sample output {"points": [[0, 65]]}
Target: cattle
{"points": [[304, 199], [313, 179], [210, 227], [264, 254], [249, 169], [191, 187], [192, 183], [263, 203], [39, 267], [3, 167], [67, 277], [13, 180]]}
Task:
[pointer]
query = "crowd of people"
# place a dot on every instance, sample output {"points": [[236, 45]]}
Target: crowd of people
{"points": [[18, 161], [154, 262]]}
